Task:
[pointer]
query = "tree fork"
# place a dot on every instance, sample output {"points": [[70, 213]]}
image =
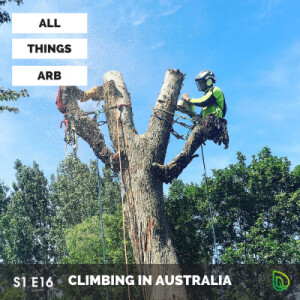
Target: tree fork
{"points": [[146, 220], [174, 168]]}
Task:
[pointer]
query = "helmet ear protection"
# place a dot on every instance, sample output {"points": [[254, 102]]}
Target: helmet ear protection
{"points": [[209, 82]]}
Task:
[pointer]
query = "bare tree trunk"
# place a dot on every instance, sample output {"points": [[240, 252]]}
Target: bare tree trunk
{"points": [[145, 213]]}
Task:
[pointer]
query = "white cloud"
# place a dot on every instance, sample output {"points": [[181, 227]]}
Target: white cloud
{"points": [[141, 19], [160, 44], [135, 13], [170, 11], [138, 15]]}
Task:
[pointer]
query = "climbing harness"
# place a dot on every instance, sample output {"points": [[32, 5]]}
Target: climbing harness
{"points": [[211, 218], [215, 127], [101, 222]]}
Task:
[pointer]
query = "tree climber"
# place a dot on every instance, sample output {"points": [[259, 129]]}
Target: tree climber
{"points": [[209, 125], [212, 102]]}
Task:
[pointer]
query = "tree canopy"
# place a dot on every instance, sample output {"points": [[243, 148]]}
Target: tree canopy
{"points": [[255, 205], [256, 211], [9, 95]]}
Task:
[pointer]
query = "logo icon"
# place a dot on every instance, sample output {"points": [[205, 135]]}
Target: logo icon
{"points": [[280, 281]]}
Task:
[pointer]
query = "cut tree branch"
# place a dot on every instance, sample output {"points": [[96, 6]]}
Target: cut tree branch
{"points": [[118, 105], [158, 132]]}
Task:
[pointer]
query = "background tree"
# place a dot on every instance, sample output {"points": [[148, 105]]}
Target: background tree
{"points": [[256, 209], [74, 193], [26, 223], [9, 95], [191, 237], [7, 292], [4, 200], [4, 15], [84, 241], [71, 199]]}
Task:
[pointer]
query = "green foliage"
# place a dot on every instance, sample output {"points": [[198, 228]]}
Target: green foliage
{"points": [[4, 15], [256, 214], [110, 191], [9, 95], [25, 223], [183, 213], [256, 209], [77, 226], [74, 193], [84, 241], [296, 177], [4, 199], [10, 293], [34, 218]]}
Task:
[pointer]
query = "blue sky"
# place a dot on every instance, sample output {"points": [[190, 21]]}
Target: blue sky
{"points": [[253, 47]]}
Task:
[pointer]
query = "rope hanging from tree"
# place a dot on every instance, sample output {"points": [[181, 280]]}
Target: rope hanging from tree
{"points": [[118, 154], [101, 222], [211, 218], [122, 195], [195, 120]]}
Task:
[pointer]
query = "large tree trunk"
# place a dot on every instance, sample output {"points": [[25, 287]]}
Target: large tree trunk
{"points": [[144, 209], [145, 214]]}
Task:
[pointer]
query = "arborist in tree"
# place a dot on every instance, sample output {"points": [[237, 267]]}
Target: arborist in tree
{"points": [[213, 101], [208, 125]]}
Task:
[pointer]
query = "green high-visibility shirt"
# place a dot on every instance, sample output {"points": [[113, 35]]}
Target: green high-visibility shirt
{"points": [[208, 104]]}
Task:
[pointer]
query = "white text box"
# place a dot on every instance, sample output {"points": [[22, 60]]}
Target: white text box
{"points": [[49, 75], [49, 23], [49, 48]]}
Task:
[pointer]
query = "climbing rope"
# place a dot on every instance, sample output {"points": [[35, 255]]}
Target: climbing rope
{"points": [[118, 154], [176, 121], [211, 218], [101, 222], [177, 115], [122, 197]]}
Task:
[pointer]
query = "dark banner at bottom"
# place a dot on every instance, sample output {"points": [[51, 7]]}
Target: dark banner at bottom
{"points": [[161, 282]]}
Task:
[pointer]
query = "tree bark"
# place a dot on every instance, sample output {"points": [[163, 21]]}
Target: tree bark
{"points": [[144, 210]]}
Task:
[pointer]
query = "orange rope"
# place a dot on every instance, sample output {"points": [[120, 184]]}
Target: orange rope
{"points": [[122, 197]]}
